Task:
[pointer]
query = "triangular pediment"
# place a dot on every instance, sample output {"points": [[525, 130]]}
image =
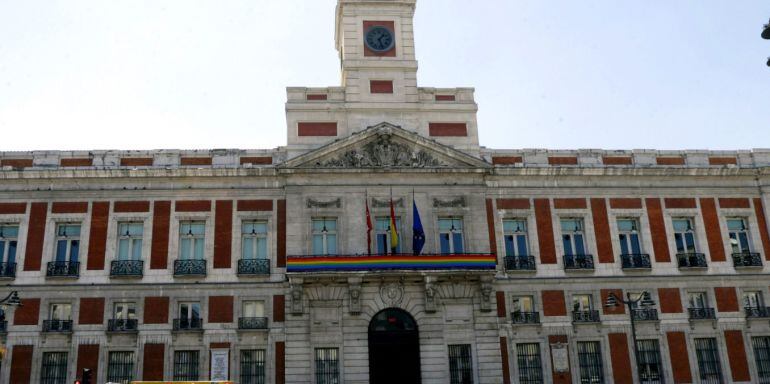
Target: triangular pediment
{"points": [[385, 146]]}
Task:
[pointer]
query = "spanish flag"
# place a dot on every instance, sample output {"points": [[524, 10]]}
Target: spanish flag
{"points": [[393, 229]]}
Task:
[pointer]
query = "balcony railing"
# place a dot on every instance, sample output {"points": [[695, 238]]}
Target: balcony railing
{"points": [[254, 266], [635, 261], [757, 312], [591, 316], [701, 313], [127, 268], [189, 267], [252, 323], [57, 325], [3, 326], [63, 269], [122, 325], [525, 317], [7, 270], [578, 262], [645, 314], [356, 263], [520, 263], [188, 324], [747, 259], [691, 260]]}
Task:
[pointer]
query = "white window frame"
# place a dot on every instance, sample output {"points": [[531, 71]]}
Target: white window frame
{"points": [[515, 235], [451, 234], [69, 239], [746, 231], [8, 239], [701, 303], [195, 238], [378, 232], [324, 233], [128, 305], [52, 311], [255, 237], [571, 233], [628, 234], [683, 234], [580, 307], [131, 238]]}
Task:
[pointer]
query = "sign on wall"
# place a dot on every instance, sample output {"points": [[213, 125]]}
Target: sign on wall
{"points": [[560, 357], [220, 364]]}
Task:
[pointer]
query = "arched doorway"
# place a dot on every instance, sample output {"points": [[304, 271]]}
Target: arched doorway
{"points": [[394, 348]]}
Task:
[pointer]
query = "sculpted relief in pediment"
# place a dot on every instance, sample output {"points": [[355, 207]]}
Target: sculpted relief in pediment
{"points": [[383, 151]]}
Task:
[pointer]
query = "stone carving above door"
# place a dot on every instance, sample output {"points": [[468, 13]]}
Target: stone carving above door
{"points": [[383, 151]]}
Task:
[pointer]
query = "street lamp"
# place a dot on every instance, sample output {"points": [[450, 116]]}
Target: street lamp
{"points": [[645, 302], [11, 300], [766, 35]]}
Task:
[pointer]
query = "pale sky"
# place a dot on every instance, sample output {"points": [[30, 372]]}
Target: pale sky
{"points": [[196, 74]]}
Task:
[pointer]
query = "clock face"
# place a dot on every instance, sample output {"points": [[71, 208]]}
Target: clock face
{"points": [[379, 39]]}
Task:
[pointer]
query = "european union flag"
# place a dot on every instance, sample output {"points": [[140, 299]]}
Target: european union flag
{"points": [[418, 234]]}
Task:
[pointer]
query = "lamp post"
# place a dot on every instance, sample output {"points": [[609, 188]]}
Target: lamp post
{"points": [[645, 302]]}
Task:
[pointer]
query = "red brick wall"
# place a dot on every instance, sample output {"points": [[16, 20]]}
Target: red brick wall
{"points": [[670, 300], [569, 203], [195, 161], [722, 160], [317, 129], [16, 163], [132, 206], [680, 202], [192, 206], [617, 310], [504, 356], [69, 207], [506, 160], [255, 205], [91, 310], [617, 160], [726, 298], [564, 377], [280, 362], [447, 129], [13, 208], [76, 162], [223, 233], [678, 160], [21, 364], [156, 310], [281, 251], [279, 308], [97, 242], [28, 313], [35, 235], [679, 357], [763, 230], [728, 202], [160, 227], [619, 354], [625, 203], [154, 357], [658, 230], [512, 203], [388, 24], [562, 160], [445, 97], [88, 357], [602, 231], [220, 309], [136, 161], [500, 299], [545, 231], [315, 97], [736, 354], [713, 233], [259, 160], [553, 303], [381, 86], [491, 228]]}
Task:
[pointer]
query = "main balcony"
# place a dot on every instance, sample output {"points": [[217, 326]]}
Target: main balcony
{"points": [[397, 262]]}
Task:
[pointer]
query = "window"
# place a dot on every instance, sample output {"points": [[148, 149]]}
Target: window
{"points": [[762, 357], [8, 242], [253, 308], [590, 360], [190, 311], [67, 242], [753, 299], [697, 300], [530, 365], [186, 365], [130, 241], [120, 367], [124, 311], [191, 240], [451, 235], [325, 236], [628, 234], [253, 366], [650, 367], [515, 235], [708, 360], [739, 235], [573, 237], [61, 312], [523, 304], [54, 369], [254, 240], [581, 303], [382, 233], [684, 235], [327, 366], [460, 364]]}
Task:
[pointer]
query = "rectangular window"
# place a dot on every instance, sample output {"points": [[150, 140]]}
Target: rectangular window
{"points": [[709, 365], [523, 304], [327, 366], [382, 234], [130, 241], [9, 235], [460, 364], [451, 235], [254, 240], [190, 311], [253, 366], [573, 238], [515, 235], [650, 367], [581, 303], [124, 311], [739, 235], [590, 360], [67, 242], [120, 367], [253, 308], [186, 365], [761, 347], [628, 235], [697, 300], [191, 240], [54, 368], [530, 365], [61, 312], [324, 236], [753, 299], [684, 235]]}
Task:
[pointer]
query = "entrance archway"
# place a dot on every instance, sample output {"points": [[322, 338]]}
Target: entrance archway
{"points": [[394, 348]]}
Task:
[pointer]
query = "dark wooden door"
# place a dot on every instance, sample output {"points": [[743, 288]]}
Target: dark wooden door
{"points": [[394, 348]]}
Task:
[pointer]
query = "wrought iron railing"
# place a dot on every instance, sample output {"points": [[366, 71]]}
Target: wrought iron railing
{"points": [[578, 262], [520, 263], [747, 259], [186, 324], [189, 267], [635, 261], [57, 325], [645, 314], [691, 260], [252, 323], [254, 266], [701, 313], [63, 269], [8, 270], [591, 316], [122, 325], [127, 268], [525, 317], [757, 312]]}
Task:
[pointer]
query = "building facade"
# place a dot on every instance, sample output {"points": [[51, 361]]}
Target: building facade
{"points": [[255, 265]]}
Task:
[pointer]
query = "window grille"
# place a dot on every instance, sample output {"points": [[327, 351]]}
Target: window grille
{"points": [[708, 360], [253, 366], [530, 365], [54, 369], [762, 357], [650, 368], [120, 367], [515, 231], [590, 362], [460, 364], [186, 365], [327, 366]]}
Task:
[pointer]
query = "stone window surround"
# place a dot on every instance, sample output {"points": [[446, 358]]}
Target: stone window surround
{"points": [[116, 218], [589, 236], [238, 304], [316, 344], [208, 236], [237, 240], [747, 214], [533, 243], [545, 355], [49, 239]]}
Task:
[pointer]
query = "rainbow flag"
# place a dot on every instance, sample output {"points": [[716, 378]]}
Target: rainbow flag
{"points": [[389, 262]]}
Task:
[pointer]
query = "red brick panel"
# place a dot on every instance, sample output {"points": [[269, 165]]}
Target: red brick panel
{"points": [[625, 203], [279, 308], [97, 242], [156, 310], [559, 377], [154, 357], [136, 161], [513, 204], [602, 231], [736, 354], [445, 97], [132, 206], [280, 362], [255, 205], [161, 217], [670, 300], [13, 208], [92, 311], [658, 230], [554, 304], [88, 357], [21, 364], [316, 97], [491, 228], [617, 160], [220, 309], [35, 235], [317, 129], [387, 24], [69, 207], [192, 206], [676, 160], [448, 129], [713, 233], [728, 202], [223, 233], [573, 203], [722, 160], [381, 86], [506, 160], [680, 202], [726, 298], [562, 160], [679, 357], [763, 230], [545, 231], [616, 310], [257, 160], [619, 354], [16, 163], [195, 161], [28, 313], [281, 251], [500, 298], [76, 162], [222, 345], [504, 355]]}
